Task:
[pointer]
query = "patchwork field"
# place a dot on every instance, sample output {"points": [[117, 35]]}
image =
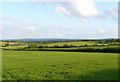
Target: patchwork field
{"points": [[40, 65], [79, 43]]}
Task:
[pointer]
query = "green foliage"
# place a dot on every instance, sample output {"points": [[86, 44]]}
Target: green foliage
{"points": [[75, 43], [6, 45], [110, 49], [110, 46], [33, 46]]}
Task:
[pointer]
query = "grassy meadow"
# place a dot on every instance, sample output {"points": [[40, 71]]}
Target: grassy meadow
{"points": [[45, 65]]}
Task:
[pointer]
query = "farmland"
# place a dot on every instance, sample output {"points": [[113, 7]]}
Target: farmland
{"points": [[76, 60], [109, 46], [79, 43], [42, 40], [37, 65]]}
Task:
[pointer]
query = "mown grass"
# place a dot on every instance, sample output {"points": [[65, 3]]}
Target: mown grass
{"points": [[36, 65]]}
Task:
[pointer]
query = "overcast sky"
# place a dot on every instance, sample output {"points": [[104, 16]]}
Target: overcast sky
{"points": [[78, 19]]}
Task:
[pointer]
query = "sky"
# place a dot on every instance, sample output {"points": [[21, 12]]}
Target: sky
{"points": [[77, 19]]}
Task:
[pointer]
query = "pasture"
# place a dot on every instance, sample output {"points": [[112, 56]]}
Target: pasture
{"points": [[45, 65], [75, 43]]}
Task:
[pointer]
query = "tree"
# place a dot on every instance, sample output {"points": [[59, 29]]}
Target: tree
{"points": [[86, 45], [66, 46], [6, 45], [56, 46]]}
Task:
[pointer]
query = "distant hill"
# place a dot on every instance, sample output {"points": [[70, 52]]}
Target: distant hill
{"points": [[39, 39], [43, 39], [51, 39]]}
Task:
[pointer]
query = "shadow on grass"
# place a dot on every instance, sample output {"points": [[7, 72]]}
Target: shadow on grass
{"points": [[111, 74]]}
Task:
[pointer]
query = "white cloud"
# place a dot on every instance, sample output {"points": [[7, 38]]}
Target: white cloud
{"points": [[21, 25], [84, 9], [59, 35], [100, 30], [60, 9], [32, 28], [113, 12], [115, 30], [14, 28]]}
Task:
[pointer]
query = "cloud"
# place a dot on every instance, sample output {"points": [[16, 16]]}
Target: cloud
{"points": [[14, 28], [113, 12], [59, 35], [32, 28], [60, 9], [84, 9], [110, 31], [21, 25], [99, 30], [115, 30]]}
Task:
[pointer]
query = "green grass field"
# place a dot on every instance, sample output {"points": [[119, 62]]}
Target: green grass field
{"points": [[40, 65], [15, 47], [79, 43]]}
